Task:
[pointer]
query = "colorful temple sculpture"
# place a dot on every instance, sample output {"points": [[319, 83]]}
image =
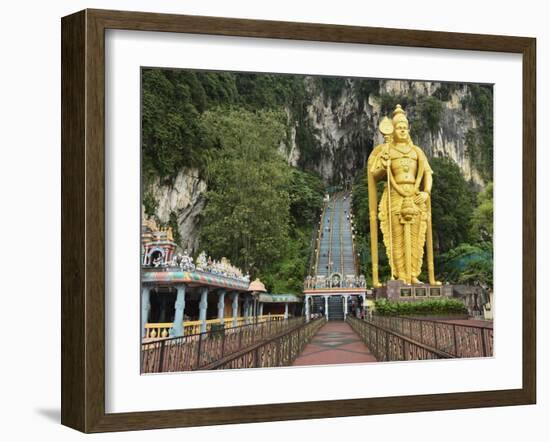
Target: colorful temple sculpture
{"points": [[181, 296]]}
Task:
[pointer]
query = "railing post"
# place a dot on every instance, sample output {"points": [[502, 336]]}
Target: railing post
{"points": [[161, 357], [289, 347], [483, 344], [199, 351], [455, 340], [278, 352], [435, 336]]}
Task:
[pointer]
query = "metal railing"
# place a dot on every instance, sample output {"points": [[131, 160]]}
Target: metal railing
{"points": [[278, 351], [387, 345], [342, 271], [316, 244], [196, 351], [461, 341]]}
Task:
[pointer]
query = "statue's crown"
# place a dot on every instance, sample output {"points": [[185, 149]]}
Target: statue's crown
{"points": [[399, 115]]}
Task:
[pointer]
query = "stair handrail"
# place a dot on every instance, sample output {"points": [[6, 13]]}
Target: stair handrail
{"points": [[355, 260], [342, 241], [330, 239], [315, 244]]}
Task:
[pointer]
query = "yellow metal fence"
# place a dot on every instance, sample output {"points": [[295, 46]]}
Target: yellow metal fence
{"points": [[162, 330]]}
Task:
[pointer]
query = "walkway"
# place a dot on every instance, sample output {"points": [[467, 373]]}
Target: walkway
{"points": [[335, 343]]}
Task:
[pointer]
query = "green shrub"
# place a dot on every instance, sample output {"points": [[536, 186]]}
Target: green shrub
{"points": [[428, 307]]}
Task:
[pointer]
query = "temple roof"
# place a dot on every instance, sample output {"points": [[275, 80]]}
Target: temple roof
{"points": [[195, 278], [257, 286]]}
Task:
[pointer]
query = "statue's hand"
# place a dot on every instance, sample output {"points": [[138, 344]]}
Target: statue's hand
{"points": [[421, 198], [385, 159]]}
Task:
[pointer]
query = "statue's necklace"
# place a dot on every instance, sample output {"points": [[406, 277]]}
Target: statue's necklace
{"points": [[405, 152]]}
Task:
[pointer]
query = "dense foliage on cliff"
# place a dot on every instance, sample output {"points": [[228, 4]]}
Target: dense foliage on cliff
{"points": [[173, 101], [479, 141]]}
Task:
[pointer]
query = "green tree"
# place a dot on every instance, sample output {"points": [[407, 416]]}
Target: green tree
{"points": [[478, 272], [246, 217], [482, 220], [465, 258], [452, 205]]}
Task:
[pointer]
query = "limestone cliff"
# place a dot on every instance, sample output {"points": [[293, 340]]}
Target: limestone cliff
{"points": [[179, 202], [344, 126]]}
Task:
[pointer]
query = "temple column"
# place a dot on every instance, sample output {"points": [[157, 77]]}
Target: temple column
{"points": [[261, 308], [177, 328], [202, 308], [307, 308], [245, 310], [346, 298], [364, 296], [221, 306], [286, 310], [326, 307], [145, 308], [235, 308]]}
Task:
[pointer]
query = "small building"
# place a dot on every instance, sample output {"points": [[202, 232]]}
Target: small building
{"points": [[281, 304]]}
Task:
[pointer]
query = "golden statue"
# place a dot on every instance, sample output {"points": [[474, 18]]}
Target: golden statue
{"points": [[405, 207]]}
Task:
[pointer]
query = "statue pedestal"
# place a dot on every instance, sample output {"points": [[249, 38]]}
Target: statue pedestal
{"points": [[398, 291]]}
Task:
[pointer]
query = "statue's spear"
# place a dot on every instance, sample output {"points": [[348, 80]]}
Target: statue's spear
{"points": [[373, 226], [386, 129]]}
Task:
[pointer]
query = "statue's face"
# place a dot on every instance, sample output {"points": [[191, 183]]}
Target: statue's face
{"points": [[401, 131]]}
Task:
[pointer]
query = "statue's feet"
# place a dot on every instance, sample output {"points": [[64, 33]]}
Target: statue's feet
{"points": [[434, 282], [416, 281]]}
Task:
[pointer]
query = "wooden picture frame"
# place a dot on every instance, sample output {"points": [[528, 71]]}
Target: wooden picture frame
{"points": [[83, 220]]}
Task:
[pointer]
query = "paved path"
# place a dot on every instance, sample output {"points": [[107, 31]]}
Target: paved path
{"points": [[334, 343]]}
